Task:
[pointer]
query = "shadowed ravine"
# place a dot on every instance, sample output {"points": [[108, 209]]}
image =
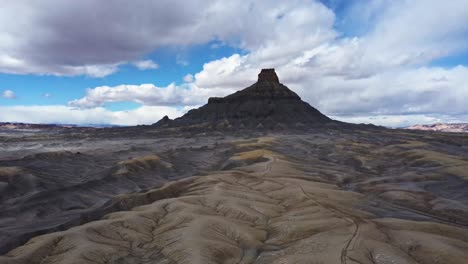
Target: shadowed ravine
{"points": [[325, 197]]}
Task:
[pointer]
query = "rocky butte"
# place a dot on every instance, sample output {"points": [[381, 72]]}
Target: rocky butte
{"points": [[266, 104]]}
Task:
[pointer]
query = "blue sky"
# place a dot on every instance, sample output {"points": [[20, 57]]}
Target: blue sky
{"points": [[173, 65], [393, 63]]}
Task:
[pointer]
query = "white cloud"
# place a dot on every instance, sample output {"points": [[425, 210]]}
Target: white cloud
{"points": [[148, 94], [8, 94], [399, 121], [70, 40], [389, 120], [188, 78], [418, 31], [232, 72], [405, 91], [96, 71], [146, 65], [21, 66], [46, 95], [69, 115]]}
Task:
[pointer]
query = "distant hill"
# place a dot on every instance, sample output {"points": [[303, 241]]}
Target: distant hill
{"points": [[456, 127]]}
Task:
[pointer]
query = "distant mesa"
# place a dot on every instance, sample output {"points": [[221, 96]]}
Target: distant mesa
{"points": [[267, 104]]}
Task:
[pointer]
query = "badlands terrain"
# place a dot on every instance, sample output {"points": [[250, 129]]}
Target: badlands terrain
{"points": [[257, 186]]}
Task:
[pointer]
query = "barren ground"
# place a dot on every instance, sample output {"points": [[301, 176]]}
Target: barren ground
{"points": [[328, 196]]}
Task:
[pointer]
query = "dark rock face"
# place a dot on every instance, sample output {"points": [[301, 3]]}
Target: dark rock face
{"points": [[266, 104], [268, 75], [165, 121]]}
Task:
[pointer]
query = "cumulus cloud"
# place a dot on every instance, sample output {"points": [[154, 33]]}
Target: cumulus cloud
{"points": [[68, 115], [146, 65], [69, 39], [148, 94], [390, 44], [8, 94], [409, 91], [416, 32]]}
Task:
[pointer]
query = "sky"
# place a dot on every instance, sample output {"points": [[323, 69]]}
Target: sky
{"points": [[388, 62]]}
